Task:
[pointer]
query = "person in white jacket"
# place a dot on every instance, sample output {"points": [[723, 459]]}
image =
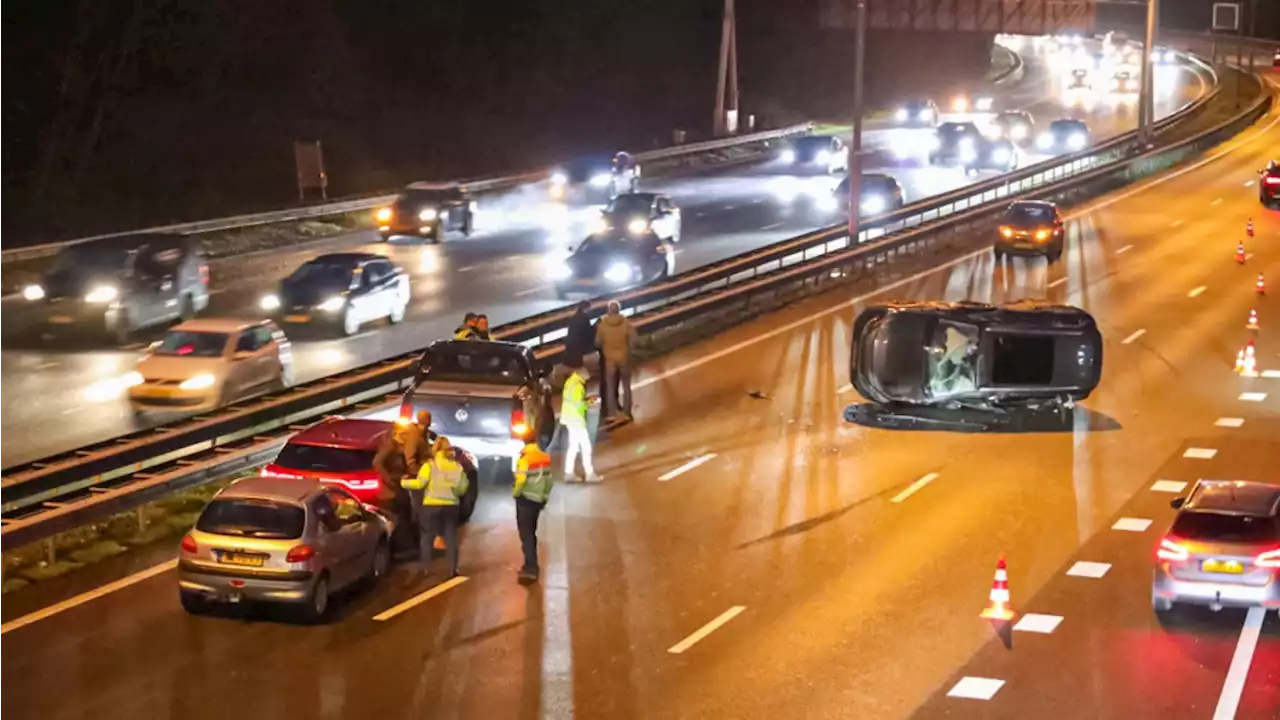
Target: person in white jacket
{"points": [[616, 338]]}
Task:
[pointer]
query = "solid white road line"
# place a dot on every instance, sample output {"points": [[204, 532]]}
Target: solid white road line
{"points": [[531, 291], [1124, 249], [706, 630], [1195, 292], [773, 226], [1128, 524], [1088, 569], [843, 389], [686, 467], [1058, 282], [1253, 396], [976, 688], [83, 598], [1136, 334], [1229, 422], [420, 598], [1169, 486], [1196, 453], [1229, 700], [913, 487], [1034, 622]]}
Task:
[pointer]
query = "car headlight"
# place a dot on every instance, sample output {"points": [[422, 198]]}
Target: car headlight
{"points": [[333, 304], [1045, 141], [383, 215], [823, 156], [557, 192], [1018, 132], [600, 180], [638, 227], [1168, 56], [133, 378], [269, 302], [926, 115], [1077, 141], [968, 154], [428, 214], [102, 294], [960, 104], [203, 381], [559, 178], [901, 115], [561, 271], [618, 273], [601, 226], [787, 156], [829, 202], [1002, 156], [33, 292], [873, 205], [1042, 234]]}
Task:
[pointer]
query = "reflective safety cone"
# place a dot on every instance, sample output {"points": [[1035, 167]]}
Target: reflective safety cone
{"points": [[1248, 228], [998, 601], [1247, 361], [1260, 287], [1240, 253], [1253, 321]]}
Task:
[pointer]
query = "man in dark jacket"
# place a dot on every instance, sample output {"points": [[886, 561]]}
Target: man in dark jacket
{"points": [[481, 328], [467, 330], [581, 340]]}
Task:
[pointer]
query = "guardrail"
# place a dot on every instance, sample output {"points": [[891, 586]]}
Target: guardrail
{"points": [[480, 185], [59, 492]]}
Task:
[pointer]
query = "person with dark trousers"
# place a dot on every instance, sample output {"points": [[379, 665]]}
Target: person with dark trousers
{"points": [[581, 338], [444, 483], [616, 336], [532, 490]]}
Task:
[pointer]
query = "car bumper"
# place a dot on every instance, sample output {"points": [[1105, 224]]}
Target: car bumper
{"points": [[221, 587], [309, 318], [483, 447], [1017, 247], [1219, 593], [152, 398], [395, 230]]}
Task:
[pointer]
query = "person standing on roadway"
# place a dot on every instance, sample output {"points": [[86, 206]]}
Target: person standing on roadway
{"points": [[573, 416], [467, 330], [531, 491], [581, 338], [616, 337], [443, 483]]}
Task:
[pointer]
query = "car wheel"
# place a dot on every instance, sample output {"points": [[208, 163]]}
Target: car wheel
{"points": [[380, 563], [562, 294], [384, 237], [1161, 604], [316, 605], [467, 503], [186, 308], [350, 326], [193, 602]]}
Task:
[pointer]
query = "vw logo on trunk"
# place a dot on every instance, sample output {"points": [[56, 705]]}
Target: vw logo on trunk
{"points": [[461, 415]]}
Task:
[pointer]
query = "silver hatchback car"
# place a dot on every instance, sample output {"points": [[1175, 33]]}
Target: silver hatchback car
{"points": [[1223, 549], [285, 540]]}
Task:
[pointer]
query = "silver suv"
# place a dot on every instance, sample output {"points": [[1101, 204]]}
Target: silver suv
{"points": [[284, 540], [1223, 549]]}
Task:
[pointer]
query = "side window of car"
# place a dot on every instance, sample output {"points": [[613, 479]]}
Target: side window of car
{"points": [[262, 335], [346, 509], [248, 342], [323, 511]]}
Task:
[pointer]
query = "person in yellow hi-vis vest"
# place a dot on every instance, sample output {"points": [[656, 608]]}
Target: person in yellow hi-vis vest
{"points": [[531, 491], [443, 483], [573, 416]]}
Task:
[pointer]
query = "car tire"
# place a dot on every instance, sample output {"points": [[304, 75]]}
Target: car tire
{"points": [[186, 308], [193, 602], [1055, 255], [384, 237], [379, 564], [349, 325], [562, 294], [1161, 604], [467, 503], [315, 606], [468, 224]]}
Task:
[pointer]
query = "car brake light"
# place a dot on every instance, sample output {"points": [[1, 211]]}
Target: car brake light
{"points": [[1270, 559], [406, 413], [300, 553], [271, 472], [1172, 551], [189, 545], [1042, 234], [519, 428], [1273, 180], [359, 483], [1006, 231], [204, 273]]}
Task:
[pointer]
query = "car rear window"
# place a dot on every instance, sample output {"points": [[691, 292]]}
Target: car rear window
{"points": [[473, 362], [1022, 360], [192, 344], [318, 458], [1029, 214], [1222, 526], [250, 517]]}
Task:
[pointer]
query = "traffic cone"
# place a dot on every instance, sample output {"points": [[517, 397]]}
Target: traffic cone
{"points": [[1260, 287], [1248, 228], [1253, 321], [1247, 361], [998, 600], [1240, 253]]}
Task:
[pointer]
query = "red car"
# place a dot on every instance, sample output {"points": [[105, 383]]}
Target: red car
{"points": [[1269, 184]]}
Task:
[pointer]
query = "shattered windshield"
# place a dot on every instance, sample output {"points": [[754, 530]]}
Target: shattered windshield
{"points": [[953, 360]]}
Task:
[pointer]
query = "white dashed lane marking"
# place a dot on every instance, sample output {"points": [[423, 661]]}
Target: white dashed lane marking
{"points": [[1128, 524], [1196, 453], [706, 630], [1271, 374], [1253, 396], [1229, 422], [687, 467], [976, 688], [1216, 202], [1057, 282], [1195, 292], [772, 226], [420, 598], [913, 487], [1124, 249], [1133, 336], [1088, 569], [1036, 623], [1176, 223], [1168, 486], [844, 389]]}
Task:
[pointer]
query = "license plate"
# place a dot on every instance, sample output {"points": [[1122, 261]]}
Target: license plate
{"points": [[1225, 567], [242, 559], [297, 318], [60, 319]]}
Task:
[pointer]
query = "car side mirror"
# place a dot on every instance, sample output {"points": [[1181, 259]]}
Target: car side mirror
{"points": [[1177, 503], [241, 355]]}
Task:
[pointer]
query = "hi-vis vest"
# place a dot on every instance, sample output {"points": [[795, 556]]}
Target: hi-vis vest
{"points": [[533, 474], [443, 480], [464, 332], [573, 405]]}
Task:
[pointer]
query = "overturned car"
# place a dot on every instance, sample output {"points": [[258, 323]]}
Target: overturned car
{"points": [[972, 365]]}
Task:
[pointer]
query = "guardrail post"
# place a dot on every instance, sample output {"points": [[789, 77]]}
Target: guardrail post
{"points": [[142, 518], [50, 552]]}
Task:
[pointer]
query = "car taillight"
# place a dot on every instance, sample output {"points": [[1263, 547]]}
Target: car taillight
{"points": [[519, 427], [406, 413], [300, 553], [189, 545], [368, 482], [1270, 559], [1273, 180], [1172, 551], [273, 472], [204, 273], [1006, 231]]}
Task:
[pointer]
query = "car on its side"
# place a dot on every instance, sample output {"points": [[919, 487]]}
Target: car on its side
{"points": [[427, 210], [295, 541], [341, 290], [1030, 227]]}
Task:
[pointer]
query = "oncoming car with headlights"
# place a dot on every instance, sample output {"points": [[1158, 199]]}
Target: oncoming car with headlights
{"points": [[996, 154], [116, 285], [1223, 549], [823, 152], [595, 179], [917, 113], [427, 210], [342, 290], [203, 364], [640, 214], [1125, 82], [1066, 135], [1030, 227], [879, 194], [1163, 56], [955, 143], [613, 261], [1015, 125]]}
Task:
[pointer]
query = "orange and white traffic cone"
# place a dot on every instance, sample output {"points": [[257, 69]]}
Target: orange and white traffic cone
{"points": [[1240, 253], [1253, 321], [1260, 287], [998, 600], [1248, 228], [1247, 361]]}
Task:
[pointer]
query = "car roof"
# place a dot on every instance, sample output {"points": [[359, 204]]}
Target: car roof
{"points": [[501, 345], [815, 138], [355, 433], [1235, 497], [1032, 203], [349, 257], [644, 195], [1067, 121], [292, 490], [218, 325], [434, 186], [960, 125]]}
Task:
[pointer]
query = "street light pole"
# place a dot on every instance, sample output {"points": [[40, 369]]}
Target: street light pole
{"points": [[855, 152], [1147, 105]]}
